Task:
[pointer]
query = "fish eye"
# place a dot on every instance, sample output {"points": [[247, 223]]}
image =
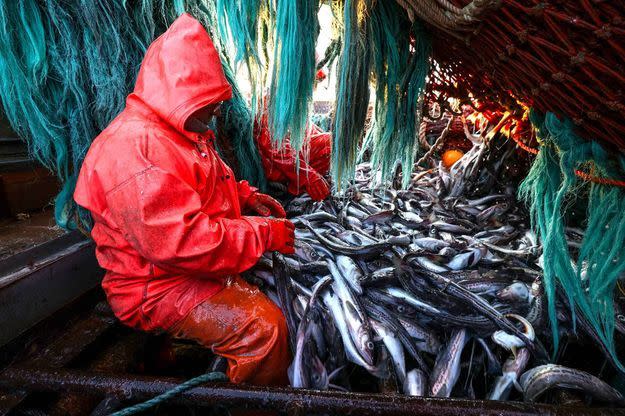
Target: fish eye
{"points": [[315, 377], [400, 309], [370, 345], [620, 318]]}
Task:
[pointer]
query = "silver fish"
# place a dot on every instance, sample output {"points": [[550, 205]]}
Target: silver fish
{"points": [[447, 252], [394, 348], [416, 383], [427, 264], [410, 300], [353, 354], [355, 318], [380, 217], [431, 244], [450, 228], [468, 259], [516, 292], [511, 371], [380, 275], [510, 252], [486, 199], [350, 272], [297, 371], [539, 379], [447, 367], [424, 340], [512, 342]]}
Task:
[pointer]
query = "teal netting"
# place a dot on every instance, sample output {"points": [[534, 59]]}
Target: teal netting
{"points": [[588, 280], [67, 67]]}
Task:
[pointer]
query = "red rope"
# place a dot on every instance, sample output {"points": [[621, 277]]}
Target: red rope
{"points": [[524, 146], [602, 181], [585, 176]]}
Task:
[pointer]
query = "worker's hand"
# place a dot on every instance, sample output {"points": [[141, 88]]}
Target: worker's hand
{"points": [[282, 236], [264, 205], [318, 188]]}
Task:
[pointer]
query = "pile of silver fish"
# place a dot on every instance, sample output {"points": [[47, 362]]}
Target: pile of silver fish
{"points": [[422, 291]]}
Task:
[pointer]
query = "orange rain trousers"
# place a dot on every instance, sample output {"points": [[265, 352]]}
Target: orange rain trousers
{"points": [[244, 326]]}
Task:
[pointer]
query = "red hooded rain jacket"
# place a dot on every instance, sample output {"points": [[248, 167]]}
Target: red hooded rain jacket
{"points": [[167, 210]]}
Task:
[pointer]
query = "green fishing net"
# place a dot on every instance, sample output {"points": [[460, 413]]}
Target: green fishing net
{"points": [[550, 187]]}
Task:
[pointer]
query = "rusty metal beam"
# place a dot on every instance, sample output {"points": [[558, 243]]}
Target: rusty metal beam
{"points": [[139, 388]]}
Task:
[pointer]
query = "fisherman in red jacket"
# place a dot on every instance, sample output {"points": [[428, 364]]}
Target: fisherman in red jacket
{"points": [[170, 219], [279, 164]]}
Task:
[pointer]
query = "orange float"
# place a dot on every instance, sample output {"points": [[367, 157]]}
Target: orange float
{"points": [[450, 157]]}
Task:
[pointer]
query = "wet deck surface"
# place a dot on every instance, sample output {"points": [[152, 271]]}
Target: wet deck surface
{"points": [[17, 235]]}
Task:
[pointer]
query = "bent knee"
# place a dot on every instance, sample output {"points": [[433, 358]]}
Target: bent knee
{"points": [[271, 326]]}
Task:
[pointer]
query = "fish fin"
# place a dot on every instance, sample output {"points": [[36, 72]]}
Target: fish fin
{"points": [[517, 385], [337, 387], [335, 372]]}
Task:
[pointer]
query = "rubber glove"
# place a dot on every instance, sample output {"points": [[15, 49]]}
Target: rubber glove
{"points": [[264, 205], [282, 236], [318, 188]]}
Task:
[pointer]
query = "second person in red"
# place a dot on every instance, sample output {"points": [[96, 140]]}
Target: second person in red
{"points": [[280, 164]]}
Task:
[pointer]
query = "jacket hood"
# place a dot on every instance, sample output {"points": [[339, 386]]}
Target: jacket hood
{"points": [[181, 73]]}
